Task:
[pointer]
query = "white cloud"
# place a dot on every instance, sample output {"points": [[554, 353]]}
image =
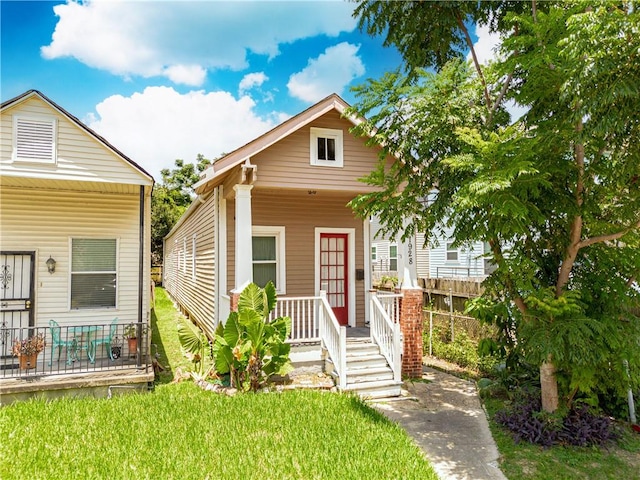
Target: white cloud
{"points": [[159, 125], [329, 73], [187, 74], [486, 48], [252, 80], [181, 40], [486, 45]]}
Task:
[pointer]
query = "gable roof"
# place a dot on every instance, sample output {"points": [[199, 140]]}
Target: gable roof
{"points": [[35, 93], [216, 172]]}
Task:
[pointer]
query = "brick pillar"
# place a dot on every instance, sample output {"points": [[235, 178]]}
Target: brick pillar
{"points": [[233, 301], [411, 326]]}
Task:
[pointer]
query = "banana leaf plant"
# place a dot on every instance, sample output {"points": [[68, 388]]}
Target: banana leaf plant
{"points": [[194, 346], [250, 347]]}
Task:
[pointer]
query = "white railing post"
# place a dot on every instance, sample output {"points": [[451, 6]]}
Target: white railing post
{"points": [[343, 358], [397, 357]]}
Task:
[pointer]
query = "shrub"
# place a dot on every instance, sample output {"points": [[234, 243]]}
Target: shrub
{"points": [[250, 347], [462, 351], [578, 427]]}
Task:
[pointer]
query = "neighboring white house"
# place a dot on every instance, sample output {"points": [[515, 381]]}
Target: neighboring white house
{"points": [[74, 235], [438, 260]]}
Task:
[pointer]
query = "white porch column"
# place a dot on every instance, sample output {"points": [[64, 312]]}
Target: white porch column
{"points": [[407, 269], [243, 252]]}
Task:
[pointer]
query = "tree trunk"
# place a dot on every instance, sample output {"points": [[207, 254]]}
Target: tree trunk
{"points": [[549, 386]]}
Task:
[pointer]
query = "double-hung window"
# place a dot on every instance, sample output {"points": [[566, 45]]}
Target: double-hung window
{"points": [[393, 258], [326, 147], [452, 252], [94, 276], [268, 249]]}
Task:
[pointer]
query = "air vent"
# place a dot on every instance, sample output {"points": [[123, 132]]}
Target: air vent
{"points": [[35, 140]]}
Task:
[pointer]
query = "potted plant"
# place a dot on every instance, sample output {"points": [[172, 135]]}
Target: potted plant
{"points": [[131, 334], [27, 350]]}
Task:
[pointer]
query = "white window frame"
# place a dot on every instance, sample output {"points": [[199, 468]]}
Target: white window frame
{"points": [[176, 249], [335, 134], [71, 272], [374, 253], [450, 250], [393, 257], [52, 123], [193, 257], [184, 255], [279, 233]]}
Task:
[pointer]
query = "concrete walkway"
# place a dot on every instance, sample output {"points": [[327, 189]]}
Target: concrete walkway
{"points": [[446, 420]]}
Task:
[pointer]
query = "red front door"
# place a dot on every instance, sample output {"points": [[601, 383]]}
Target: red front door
{"points": [[334, 273]]}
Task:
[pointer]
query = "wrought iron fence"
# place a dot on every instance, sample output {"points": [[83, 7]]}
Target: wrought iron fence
{"points": [[70, 348]]}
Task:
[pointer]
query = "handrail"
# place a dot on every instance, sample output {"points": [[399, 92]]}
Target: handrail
{"points": [[391, 303], [334, 338], [386, 334]]}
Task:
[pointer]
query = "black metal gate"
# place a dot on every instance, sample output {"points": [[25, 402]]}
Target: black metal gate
{"points": [[16, 296]]}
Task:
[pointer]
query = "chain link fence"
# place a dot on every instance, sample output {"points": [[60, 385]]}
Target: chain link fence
{"points": [[447, 324]]}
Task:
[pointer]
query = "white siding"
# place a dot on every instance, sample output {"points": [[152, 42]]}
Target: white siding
{"points": [[195, 295], [422, 256], [44, 221], [469, 264], [80, 156]]}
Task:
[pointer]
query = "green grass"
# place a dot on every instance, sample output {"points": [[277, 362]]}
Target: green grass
{"points": [[183, 432], [525, 461], [164, 321]]}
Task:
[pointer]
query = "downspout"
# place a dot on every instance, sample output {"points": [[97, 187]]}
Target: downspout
{"points": [[140, 277]]}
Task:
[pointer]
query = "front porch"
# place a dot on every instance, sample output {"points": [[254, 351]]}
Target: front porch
{"points": [[367, 359], [85, 360]]}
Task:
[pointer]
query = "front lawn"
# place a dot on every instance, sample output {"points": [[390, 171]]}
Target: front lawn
{"points": [[183, 432]]}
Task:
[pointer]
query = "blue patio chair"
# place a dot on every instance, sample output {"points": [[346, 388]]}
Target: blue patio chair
{"points": [[59, 343], [106, 341]]}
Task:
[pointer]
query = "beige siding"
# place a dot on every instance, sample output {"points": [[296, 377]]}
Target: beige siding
{"points": [[44, 221], [300, 213], [286, 164], [422, 256], [80, 157], [195, 296]]}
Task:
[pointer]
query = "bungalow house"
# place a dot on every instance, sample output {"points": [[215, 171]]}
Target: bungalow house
{"points": [[74, 259], [276, 209]]}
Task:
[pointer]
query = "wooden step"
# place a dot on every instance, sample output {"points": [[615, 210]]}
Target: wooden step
{"points": [[379, 389]]}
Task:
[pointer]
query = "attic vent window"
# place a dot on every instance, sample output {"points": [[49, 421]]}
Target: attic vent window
{"points": [[34, 139], [326, 147]]}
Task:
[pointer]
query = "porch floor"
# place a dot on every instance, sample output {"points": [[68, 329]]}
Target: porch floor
{"points": [[81, 378], [358, 332]]}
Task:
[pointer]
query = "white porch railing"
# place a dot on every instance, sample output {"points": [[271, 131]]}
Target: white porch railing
{"points": [[304, 313], [334, 339], [390, 303], [386, 333]]}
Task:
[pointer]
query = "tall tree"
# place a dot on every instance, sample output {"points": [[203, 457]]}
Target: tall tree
{"points": [[556, 194], [171, 198]]}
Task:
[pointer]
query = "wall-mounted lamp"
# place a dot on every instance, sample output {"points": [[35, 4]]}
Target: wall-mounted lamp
{"points": [[51, 265]]}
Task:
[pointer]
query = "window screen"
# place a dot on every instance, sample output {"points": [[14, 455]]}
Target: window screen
{"points": [[93, 273]]}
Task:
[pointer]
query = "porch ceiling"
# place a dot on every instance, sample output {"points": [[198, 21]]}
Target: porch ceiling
{"points": [[75, 185]]}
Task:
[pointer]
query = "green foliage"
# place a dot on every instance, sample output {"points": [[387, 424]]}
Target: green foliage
{"points": [[171, 197], [555, 194], [194, 346], [250, 347], [462, 350]]}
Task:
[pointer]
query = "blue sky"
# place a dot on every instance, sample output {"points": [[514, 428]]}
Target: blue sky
{"points": [[170, 79]]}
